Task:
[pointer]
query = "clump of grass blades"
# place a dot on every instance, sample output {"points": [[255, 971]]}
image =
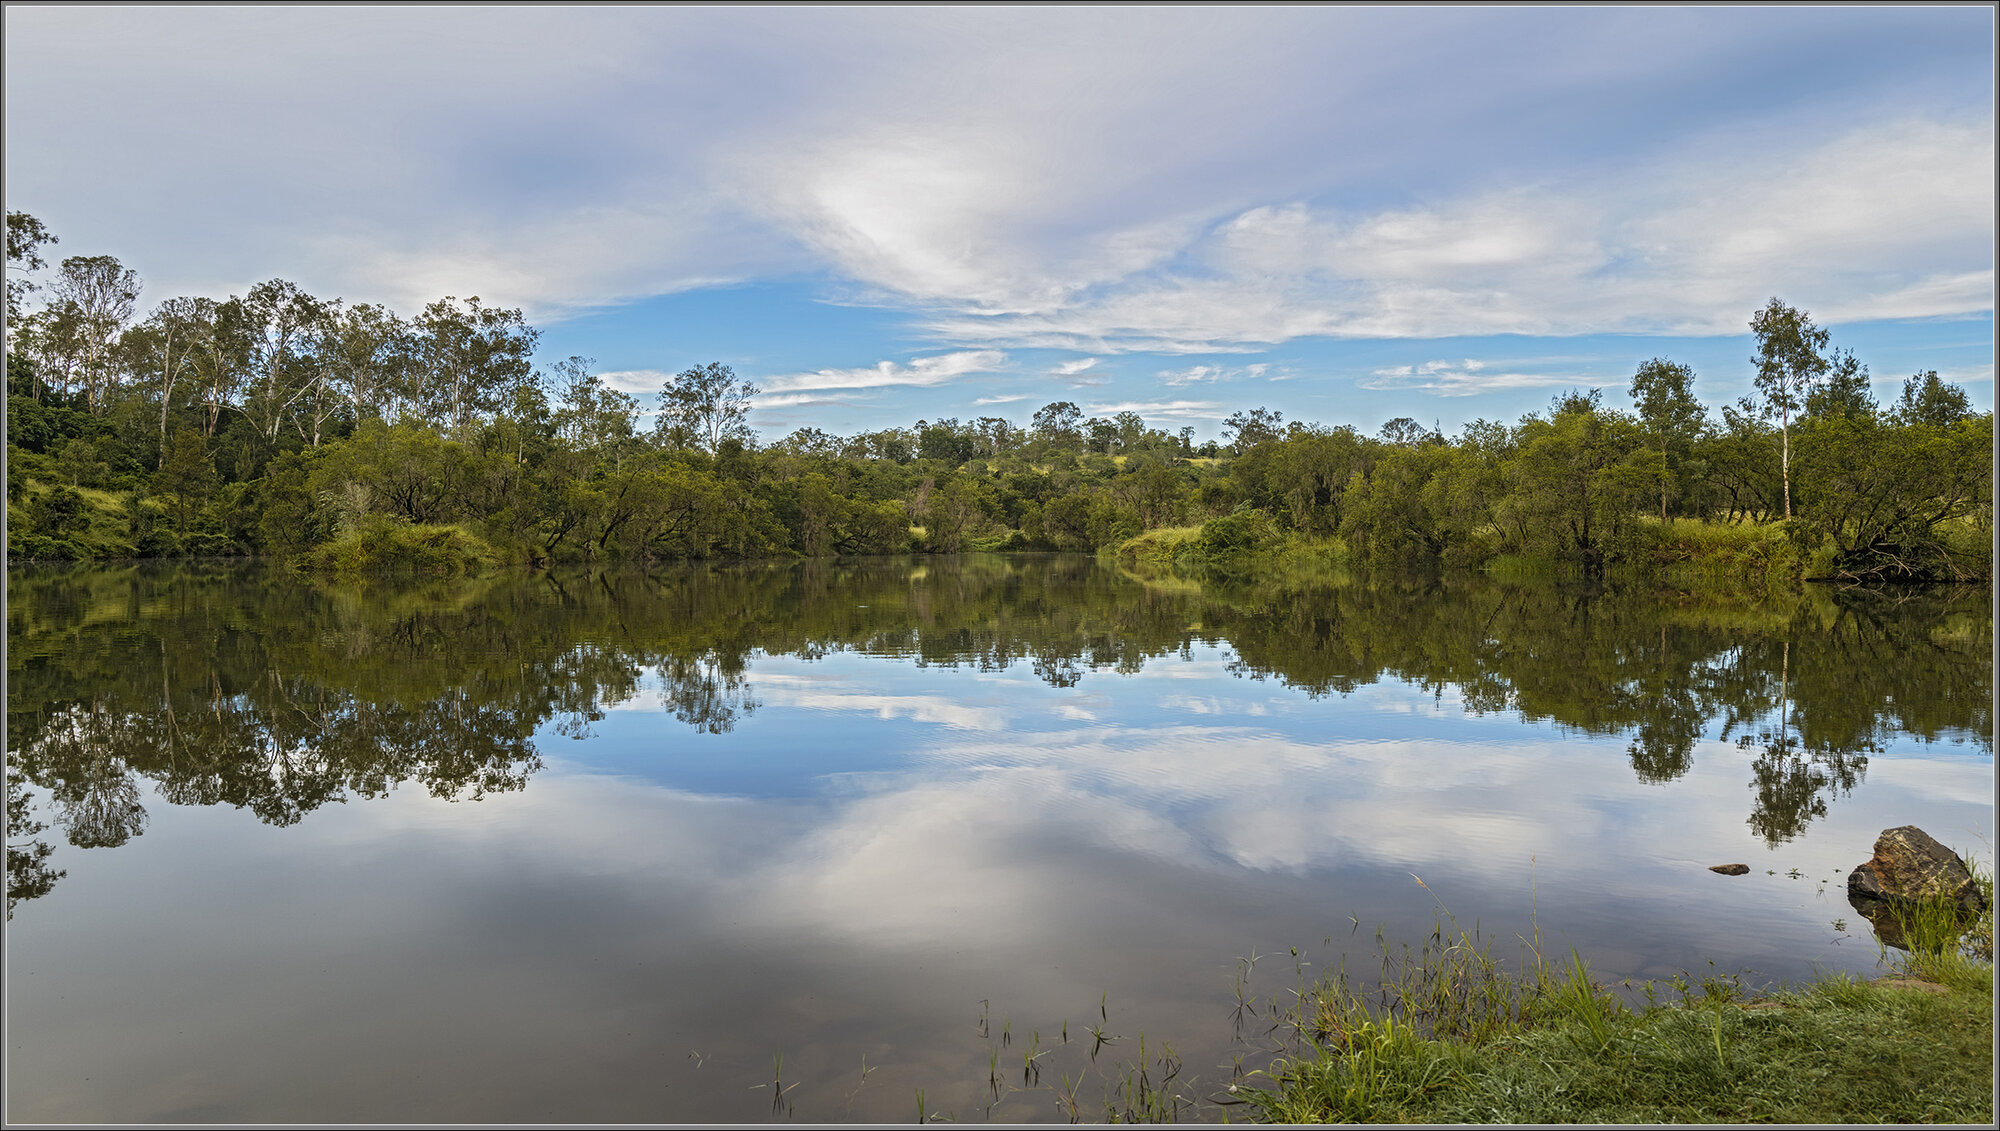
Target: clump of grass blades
{"points": [[1451, 1037]]}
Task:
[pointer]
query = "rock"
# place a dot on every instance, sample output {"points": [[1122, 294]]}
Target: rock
{"points": [[1730, 869], [1909, 866]]}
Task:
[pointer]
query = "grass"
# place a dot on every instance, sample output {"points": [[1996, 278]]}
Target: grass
{"points": [[1447, 1033], [1449, 1036], [382, 546]]}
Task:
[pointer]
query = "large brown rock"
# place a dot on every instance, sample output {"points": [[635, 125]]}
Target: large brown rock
{"points": [[1909, 866]]}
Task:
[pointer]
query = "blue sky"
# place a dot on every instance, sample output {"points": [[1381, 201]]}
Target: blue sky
{"points": [[1345, 214]]}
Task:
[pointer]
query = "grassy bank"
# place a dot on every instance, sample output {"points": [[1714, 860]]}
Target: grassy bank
{"points": [[1684, 554], [384, 547], [1451, 1037], [1247, 541]]}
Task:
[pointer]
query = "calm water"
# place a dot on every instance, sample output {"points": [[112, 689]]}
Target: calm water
{"points": [[605, 847]]}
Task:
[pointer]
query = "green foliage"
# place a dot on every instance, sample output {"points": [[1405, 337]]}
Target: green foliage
{"points": [[383, 545], [1451, 1038], [1887, 497], [283, 421]]}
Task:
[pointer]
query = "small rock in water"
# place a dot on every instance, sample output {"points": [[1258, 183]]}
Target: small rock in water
{"points": [[1730, 869]]}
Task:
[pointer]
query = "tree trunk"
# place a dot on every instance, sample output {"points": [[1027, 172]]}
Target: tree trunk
{"points": [[1785, 456]]}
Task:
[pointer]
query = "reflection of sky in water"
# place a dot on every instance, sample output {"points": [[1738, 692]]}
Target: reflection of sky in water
{"points": [[872, 851]]}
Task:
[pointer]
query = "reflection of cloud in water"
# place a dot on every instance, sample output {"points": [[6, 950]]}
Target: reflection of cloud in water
{"points": [[790, 691]]}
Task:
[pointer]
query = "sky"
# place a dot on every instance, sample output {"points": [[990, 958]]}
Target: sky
{"points": [[878, 215]]}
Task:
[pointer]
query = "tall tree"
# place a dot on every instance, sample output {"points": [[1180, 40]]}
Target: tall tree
{"points": [[1663, 392], [704, 406], [1790, 360], [1927, 400], [468, 356], [25, 236], [1059, 425], [100, 293], [1845, 390], [164, 348], [365, 351], [278, 322], [1249, 429]]}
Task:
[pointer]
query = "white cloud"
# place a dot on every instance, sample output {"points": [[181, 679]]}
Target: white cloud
{"points": [[1197, 374], [1469, 377], [1885, 222], [1072, 368], [1018, 178], [794, 400], [933, 370], [1001, 400], [635, 381], [1161, 410]]}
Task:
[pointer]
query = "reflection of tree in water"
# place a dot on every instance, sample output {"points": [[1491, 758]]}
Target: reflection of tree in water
{"points": [[253, 689], [28, 873], [1793, 783], [704, 694]]}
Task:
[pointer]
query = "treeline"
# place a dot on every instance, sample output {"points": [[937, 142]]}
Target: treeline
{"points": [[349, 436]]}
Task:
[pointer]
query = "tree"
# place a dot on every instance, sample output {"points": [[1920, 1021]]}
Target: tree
{"points": [[365, 351], [467, 355], [1927, 400], [25, 236], [186, 473], [1663, 392], [277, 318], [1790, 360], [704, 406], [1249, 429], [1404, 432], [1059, 425], [1845, 390], [99, 292], [164, 348]]}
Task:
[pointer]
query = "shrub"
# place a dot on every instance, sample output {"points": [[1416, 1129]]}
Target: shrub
{"points": [[383, 545]]}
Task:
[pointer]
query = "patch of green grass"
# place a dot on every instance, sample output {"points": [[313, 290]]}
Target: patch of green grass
{"points": [[1449, 1037]]}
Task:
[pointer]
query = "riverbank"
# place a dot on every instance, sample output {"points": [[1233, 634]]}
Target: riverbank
{"points": [[1691, 554], [1450, 1038]]}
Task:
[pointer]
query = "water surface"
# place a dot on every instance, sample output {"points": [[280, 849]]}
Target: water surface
{"points": [[623, 847]]}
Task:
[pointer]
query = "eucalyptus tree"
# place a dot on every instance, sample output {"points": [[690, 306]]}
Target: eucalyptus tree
{"points": [[1663, 392], [1790, 361], [53, 338], [1248, 429], [1059, 426], [589, 414], [467, 356], [280, 324], [703, 406], [164, 351], [364, 351], [25, 237], [99, 294], [222, 362]]}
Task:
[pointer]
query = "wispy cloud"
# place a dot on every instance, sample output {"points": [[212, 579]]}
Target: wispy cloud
{"points": [[635, 381], [1010, 399], [1198, 374], [794, 400], [1893, 221], [1011, 179], [1072, 368], [1162, 410], [933, 370], [1466, 378]]}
